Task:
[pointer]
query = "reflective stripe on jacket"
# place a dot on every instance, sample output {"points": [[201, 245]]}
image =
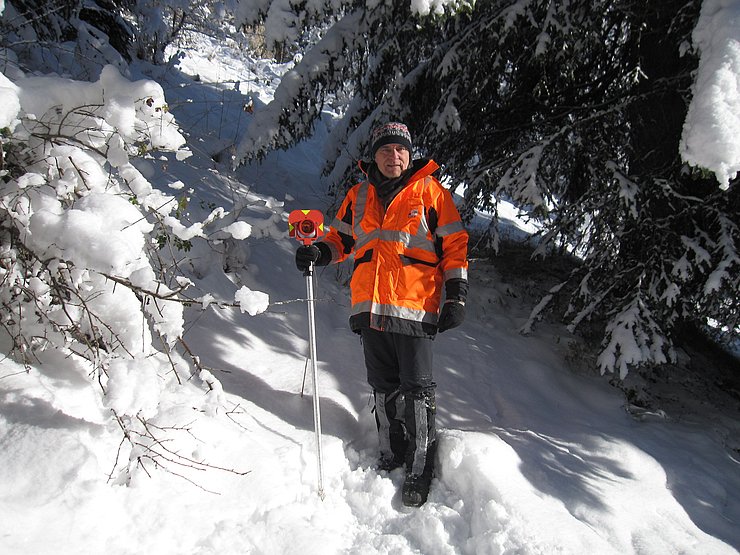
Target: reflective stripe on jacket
{"points": [[402, 255]]}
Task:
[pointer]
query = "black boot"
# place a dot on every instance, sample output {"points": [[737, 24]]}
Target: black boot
{"points": [[389, 414], [420, 423], [416, 487]]}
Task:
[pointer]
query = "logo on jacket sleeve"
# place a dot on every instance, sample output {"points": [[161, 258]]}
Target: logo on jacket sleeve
{"points": [[414, 212]]}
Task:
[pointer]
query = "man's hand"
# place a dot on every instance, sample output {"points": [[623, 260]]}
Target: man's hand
{"points": [[305, 255], [452, 315]]}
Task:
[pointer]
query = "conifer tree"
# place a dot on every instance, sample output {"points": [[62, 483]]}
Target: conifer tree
{"points": [[572, 110], [117, 28]]}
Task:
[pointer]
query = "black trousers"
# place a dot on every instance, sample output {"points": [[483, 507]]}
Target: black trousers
{"points": [[399, 369], [397, 362]]}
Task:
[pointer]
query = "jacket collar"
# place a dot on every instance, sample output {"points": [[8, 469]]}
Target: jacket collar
{"points": [[422, 167]]}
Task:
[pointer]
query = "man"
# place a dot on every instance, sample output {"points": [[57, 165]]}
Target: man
{"points": [[408, 242]]}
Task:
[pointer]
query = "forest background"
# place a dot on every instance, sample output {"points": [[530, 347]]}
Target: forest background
{"points": [[611, 126]]}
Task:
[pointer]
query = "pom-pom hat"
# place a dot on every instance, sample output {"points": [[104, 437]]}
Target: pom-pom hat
{"points": [[390, 133]]}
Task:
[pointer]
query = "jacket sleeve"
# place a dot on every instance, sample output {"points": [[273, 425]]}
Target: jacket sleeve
{"points": [[340, 239], [452, 240]]}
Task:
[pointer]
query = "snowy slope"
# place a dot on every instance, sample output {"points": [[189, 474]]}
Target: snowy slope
{"points": [[534, 456]]}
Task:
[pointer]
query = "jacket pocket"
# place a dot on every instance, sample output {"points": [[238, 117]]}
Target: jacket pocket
{"points": [[408, 260], [419, 282]]}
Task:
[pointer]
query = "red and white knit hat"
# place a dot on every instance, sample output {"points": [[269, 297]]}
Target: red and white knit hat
{"points": [[390, 133]]}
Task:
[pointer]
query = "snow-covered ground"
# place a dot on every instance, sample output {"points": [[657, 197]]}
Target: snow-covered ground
{"points": [[536, 455]]}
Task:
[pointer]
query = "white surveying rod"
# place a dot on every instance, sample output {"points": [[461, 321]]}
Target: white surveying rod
{"points": [[307, 226], [315, 374]]}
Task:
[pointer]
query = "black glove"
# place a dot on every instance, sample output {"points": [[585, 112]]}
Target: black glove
{"points": [[318, 253], [452, 315], [305, 255]]}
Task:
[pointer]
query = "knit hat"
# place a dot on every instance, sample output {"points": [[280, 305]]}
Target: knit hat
{"points": [[390, 133]]}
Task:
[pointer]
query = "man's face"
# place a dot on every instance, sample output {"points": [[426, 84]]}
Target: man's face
{"points": [[392, 159]]}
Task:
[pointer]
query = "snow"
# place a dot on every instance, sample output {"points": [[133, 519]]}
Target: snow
{"points": [[425, 7], [536, 455], [133, 387], [9, 104], [713, 121], [104, 230], [239, 230], [252, 302]]}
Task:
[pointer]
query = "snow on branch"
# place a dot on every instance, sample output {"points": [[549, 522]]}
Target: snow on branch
{"points": [[727, 271], [712, 126], [520, 179], [91, 253], [633, 337], [298, 98]]}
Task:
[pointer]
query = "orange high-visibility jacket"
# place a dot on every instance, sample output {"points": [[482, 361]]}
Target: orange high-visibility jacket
{"points": [[402, 256]]}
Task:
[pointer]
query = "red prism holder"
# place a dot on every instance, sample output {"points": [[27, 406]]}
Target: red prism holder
{"points": [[306, 225]]}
